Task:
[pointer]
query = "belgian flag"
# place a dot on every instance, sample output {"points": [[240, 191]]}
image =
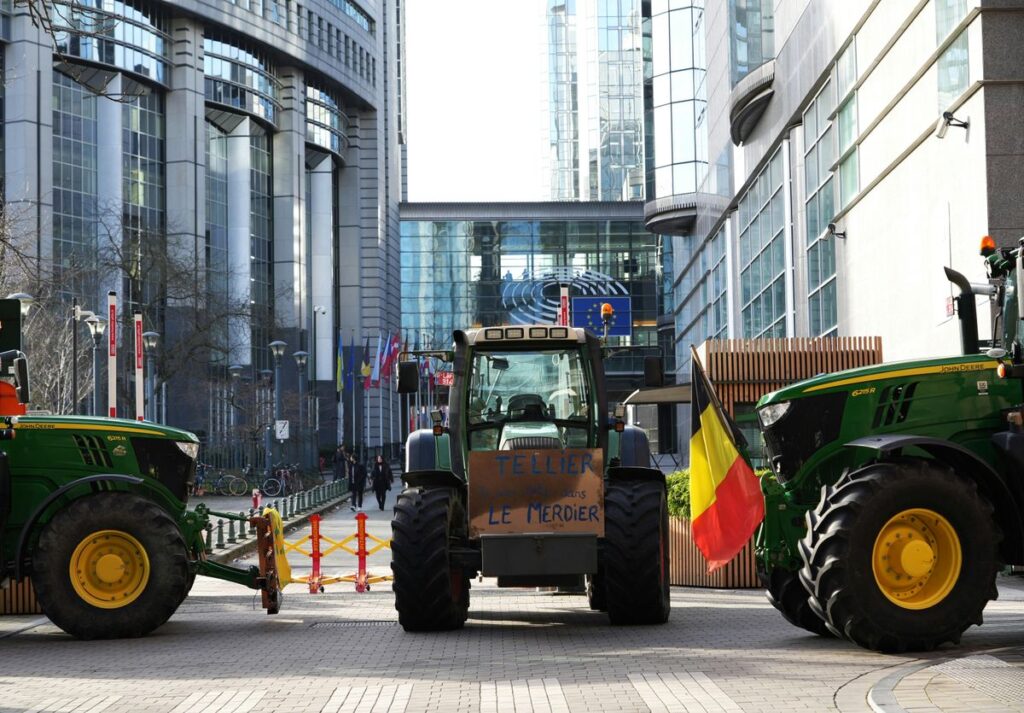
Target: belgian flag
{"points": [[725, 496]]}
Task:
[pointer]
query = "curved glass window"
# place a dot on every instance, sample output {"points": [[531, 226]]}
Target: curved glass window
{"points": [[239, 78], [356, 13], [751, 36], [326, 122], [113, 32]]}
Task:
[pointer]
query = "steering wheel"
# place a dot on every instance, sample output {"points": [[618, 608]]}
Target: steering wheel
{"points": [[528, 407]]}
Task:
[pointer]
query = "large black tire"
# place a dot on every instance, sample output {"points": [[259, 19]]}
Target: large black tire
{"points": [[636, 564], [838, 555], [429, 594], [157, 596], [787, 594]]}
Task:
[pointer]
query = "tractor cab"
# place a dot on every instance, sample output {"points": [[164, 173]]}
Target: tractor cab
{"points": [[519, 399]]}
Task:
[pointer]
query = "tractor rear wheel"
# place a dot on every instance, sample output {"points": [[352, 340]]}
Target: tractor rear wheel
{"points": [[635, 566], [430, 595], [110, 566], [900, 556], [787, 594]]}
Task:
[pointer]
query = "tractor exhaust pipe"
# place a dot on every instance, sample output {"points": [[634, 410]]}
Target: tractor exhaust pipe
{"points": [[966, 310]]}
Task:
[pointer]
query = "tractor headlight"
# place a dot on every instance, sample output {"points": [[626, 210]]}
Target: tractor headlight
{"points": [[189, 449], [771, 413]]}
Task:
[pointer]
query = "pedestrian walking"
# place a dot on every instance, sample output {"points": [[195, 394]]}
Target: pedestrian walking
{"points": [[357, 482], [340, 463], [380, 480]]}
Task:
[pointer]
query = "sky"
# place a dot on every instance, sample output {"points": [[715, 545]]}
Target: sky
{"points": [[475, 90]]}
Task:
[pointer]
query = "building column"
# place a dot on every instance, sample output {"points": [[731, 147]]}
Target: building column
{"points": [[185, 108], [349, 274], [109, 198], [239, 240], [28, 136], [291, 293], [321, 199]]}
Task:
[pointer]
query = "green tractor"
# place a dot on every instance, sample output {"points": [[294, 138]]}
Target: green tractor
{"points": [[896, 492], [529, 482], [93, 510]]}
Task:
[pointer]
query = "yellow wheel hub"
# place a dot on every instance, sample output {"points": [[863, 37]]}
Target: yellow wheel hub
{"points": [[109, 569], [916, 558]]}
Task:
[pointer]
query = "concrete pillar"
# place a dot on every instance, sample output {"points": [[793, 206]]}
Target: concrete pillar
{"points": [[109, 200], [321, 199], [28, 136], [239, 240], [292, 310], [186, 147]]}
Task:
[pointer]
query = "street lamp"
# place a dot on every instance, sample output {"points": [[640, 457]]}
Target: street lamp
{"points": [[77, 315], [314, 418], [277, 348], [150, 341], [97, 325], [300, 360], [236, 375], [265, 376]]}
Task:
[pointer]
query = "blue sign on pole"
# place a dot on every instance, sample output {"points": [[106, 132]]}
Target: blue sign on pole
{"points": [[586, 313]]}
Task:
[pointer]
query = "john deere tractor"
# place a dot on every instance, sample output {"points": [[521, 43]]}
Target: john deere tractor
{"points": [[93, 510], [896, 492], [529, 481]]}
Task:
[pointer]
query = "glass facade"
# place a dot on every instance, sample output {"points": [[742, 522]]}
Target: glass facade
{"points": [[762, 264], [751, 37], [113, 32], [461, 273], [217, 231], [954, 62], [239, 78], [326, 122], [702, 296], [616, 170], [595, 86], [75, 164], [262, 243], [678, 98], [563, 101], [143, 161]]}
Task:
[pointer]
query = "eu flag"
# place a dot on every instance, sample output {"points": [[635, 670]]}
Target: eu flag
{"points": [[586, 313]]}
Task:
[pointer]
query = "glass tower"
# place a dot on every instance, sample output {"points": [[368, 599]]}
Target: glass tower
{"points": [[595, 94]]}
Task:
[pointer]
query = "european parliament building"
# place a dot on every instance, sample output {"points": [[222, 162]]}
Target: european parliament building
{"points": [[230, 168]]}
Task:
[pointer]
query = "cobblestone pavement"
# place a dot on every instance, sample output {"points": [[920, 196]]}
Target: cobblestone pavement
{"points": [[521, 651]]}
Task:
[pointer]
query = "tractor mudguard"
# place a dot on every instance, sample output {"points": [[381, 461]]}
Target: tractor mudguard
{"points": [[433, 479], [26, 530], [425, 451], [625, 473], [964, 461]]}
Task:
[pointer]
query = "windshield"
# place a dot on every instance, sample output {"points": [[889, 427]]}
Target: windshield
{"points": [[537, 399]]}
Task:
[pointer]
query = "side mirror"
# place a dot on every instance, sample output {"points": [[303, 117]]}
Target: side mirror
{"points": [[21, 375], [408, 377], [654, 371]]}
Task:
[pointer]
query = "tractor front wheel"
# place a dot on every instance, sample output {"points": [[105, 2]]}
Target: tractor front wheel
{"points": [[787, 594], [430, 594], [900, 556], [110, 566], [635, 567]]}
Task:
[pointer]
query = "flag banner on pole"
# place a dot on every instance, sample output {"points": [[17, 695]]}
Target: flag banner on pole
{"points": [[350, 377], [726, 504], [375, 375], [365, 369], [339, 376]]}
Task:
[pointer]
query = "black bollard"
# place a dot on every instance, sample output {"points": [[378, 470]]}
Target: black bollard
{"points": [[220, 535], [242, 529], [209, 538], [231, 532]]}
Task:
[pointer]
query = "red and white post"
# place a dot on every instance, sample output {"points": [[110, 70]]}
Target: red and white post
{"points": [[112, 354], [140, 396], [316, 576], [361, 585]]}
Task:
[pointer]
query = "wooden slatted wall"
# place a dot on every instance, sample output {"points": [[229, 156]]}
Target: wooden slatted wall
{"points": [[742, 371], [19, 598]]}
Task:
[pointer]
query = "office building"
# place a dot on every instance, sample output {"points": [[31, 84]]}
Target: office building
{"points": [[255, 142]]}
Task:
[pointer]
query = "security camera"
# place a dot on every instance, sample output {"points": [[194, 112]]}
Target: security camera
{"points": [[947, 120], [832, 228]]}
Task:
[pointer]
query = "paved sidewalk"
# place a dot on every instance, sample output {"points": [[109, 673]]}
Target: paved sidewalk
{"points": [[521, 651]]}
